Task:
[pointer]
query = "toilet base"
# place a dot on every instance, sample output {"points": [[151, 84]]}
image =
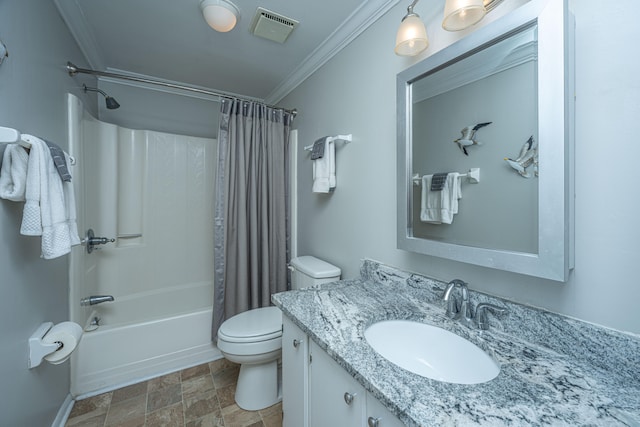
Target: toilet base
{"points": [[257, 386]]}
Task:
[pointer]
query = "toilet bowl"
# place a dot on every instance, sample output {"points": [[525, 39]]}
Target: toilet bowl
{"points": [[254, 338]]}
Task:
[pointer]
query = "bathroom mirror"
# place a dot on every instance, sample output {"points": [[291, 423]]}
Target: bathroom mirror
{"points": [[512, 80]]}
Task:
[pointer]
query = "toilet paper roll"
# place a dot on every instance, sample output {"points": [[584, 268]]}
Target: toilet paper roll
{"points": [[66, 333]]}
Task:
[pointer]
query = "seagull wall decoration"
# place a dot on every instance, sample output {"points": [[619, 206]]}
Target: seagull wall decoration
{"points": [[468, 137], [528, 156]]}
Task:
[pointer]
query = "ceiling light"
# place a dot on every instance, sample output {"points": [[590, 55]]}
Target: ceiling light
{"points": [[221, 15], [461, 14], [412, 36]]}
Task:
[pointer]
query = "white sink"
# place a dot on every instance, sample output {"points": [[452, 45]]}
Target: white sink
{"points": [[431, 352]]}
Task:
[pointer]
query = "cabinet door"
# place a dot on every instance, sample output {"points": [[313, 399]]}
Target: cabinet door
{"points": [[295, 374], [379, 416], [335, 398]]}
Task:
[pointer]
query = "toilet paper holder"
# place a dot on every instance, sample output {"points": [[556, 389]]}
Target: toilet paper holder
{"points": [[39, 349]]}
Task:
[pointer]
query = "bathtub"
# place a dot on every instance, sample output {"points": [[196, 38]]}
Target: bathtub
{"points": [[114, 356]]}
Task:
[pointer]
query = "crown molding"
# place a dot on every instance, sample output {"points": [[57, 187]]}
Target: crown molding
{"points": [[363, 17], [75, 20]]}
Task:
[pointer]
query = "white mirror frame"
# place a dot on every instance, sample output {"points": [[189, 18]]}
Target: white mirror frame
{"points": [[554, 259]]}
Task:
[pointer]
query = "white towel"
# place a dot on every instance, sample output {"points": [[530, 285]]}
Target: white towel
{"points": [[50, 209], [13, 175], [324, 170], [439, 207]]}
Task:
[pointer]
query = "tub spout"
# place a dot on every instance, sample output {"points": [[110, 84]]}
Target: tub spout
{"points": [[96, 299]]}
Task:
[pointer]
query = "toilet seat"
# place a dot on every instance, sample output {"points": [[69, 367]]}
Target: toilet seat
{"points": [[260, 324]]}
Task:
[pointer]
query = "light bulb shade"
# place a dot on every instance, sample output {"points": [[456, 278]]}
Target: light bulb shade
{"points": [[412, 36], [221, 15], [461, 14]]}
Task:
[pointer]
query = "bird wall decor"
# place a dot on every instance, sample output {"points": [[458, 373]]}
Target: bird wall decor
{"points": [[468, 137], [528, 156]]}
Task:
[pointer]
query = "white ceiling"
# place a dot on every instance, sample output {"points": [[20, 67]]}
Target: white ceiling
{"points": [[170, 40]]}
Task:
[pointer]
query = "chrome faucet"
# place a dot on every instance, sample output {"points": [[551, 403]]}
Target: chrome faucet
{"points": [[458, 310], [96, 299]]}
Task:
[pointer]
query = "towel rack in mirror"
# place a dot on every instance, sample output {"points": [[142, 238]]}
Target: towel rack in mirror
{"points": [[473, 176]]}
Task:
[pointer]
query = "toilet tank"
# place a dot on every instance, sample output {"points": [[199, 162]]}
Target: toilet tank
{"points": [[308, 270]]}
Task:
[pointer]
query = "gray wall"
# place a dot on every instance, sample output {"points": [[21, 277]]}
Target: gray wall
{"points": [[355, 93], [163, 110], [33, 84]]}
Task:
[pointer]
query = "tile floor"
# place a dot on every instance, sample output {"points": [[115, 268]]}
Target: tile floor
{"points": [[201, 396]]}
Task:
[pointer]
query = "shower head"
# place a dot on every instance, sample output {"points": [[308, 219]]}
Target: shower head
{"points": [[111, 103]]}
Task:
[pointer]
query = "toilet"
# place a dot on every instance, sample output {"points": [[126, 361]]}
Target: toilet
{"points": [[254, 338]]}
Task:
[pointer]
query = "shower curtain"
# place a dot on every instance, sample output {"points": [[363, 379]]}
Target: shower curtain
{"points": [[251, 237]]}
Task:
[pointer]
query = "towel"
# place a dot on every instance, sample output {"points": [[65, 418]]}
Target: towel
{"points": [[13, 175], [324, 170], [317, 151], [439, 207], [438, 180], [49, 210], [59, 160]]}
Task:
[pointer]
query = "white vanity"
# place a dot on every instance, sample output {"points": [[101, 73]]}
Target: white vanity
{"points": [[553, 370], [317, 392]]}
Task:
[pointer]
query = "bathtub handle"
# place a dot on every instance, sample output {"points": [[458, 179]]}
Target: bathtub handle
{"points": [[91, 240]]}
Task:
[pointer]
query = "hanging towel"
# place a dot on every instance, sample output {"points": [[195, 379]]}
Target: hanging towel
{"points": [[317, 151], [324, 170], [49, 210], [439, 207], [59, 160], [438, 180], [13, 175]]}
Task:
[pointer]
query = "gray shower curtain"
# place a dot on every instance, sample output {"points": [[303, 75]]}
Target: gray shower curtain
{"points": [[251, 238]]}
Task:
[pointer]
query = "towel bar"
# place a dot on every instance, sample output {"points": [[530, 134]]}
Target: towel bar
{"points": [[13, 136], [473, 176], [344, 138]]}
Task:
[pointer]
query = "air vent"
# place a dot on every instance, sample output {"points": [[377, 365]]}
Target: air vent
{"points": [[271, 25]]}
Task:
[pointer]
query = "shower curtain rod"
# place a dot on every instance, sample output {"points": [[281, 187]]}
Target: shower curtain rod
{"points": [[73, 70]]}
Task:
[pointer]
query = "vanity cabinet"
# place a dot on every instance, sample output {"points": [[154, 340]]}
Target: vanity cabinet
{"points": [[317, 392], [295, 375], [335, 398]]}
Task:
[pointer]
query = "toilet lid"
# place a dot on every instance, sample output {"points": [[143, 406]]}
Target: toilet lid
{"points": [[253, 325]]}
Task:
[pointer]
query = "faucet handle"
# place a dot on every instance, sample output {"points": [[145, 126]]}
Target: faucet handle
{"points": [[481, 314]]}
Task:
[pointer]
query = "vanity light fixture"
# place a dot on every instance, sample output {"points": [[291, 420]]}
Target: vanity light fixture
{"points": [[458, 15], [221, 15], [412, 35], [461, 14]]}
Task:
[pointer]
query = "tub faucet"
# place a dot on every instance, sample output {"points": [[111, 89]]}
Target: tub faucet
{"points": [[458, 310], [96, 299]]}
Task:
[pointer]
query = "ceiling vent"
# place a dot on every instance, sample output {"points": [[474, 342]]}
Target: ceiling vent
{"points": [[271, 25]]}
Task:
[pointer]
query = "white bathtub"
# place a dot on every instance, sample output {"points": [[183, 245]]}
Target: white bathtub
{"points": [[115, 356]]}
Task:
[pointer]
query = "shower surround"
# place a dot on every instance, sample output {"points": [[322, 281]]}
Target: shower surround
{"points": [[153, 192]]}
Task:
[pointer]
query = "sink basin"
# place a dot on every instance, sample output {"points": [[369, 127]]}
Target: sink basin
{"points": [[431, 352]]}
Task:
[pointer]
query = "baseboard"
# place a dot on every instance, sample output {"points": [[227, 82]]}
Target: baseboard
{"points": [[63, 412]]}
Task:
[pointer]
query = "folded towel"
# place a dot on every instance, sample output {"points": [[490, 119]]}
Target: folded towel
{"points": [[439, 207], [59, 160], [318, 148], [13, 175], [49, 210], [438, 180], [324, 170]]}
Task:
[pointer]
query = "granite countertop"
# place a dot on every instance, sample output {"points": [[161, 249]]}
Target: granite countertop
{"points": [[554, 370]]}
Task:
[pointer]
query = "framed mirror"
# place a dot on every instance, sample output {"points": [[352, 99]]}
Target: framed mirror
{"points": [[485, 146]]}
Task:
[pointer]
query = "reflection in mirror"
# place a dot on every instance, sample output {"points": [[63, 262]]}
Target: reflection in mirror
{"points": [[499, 100], [498, 86]]}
